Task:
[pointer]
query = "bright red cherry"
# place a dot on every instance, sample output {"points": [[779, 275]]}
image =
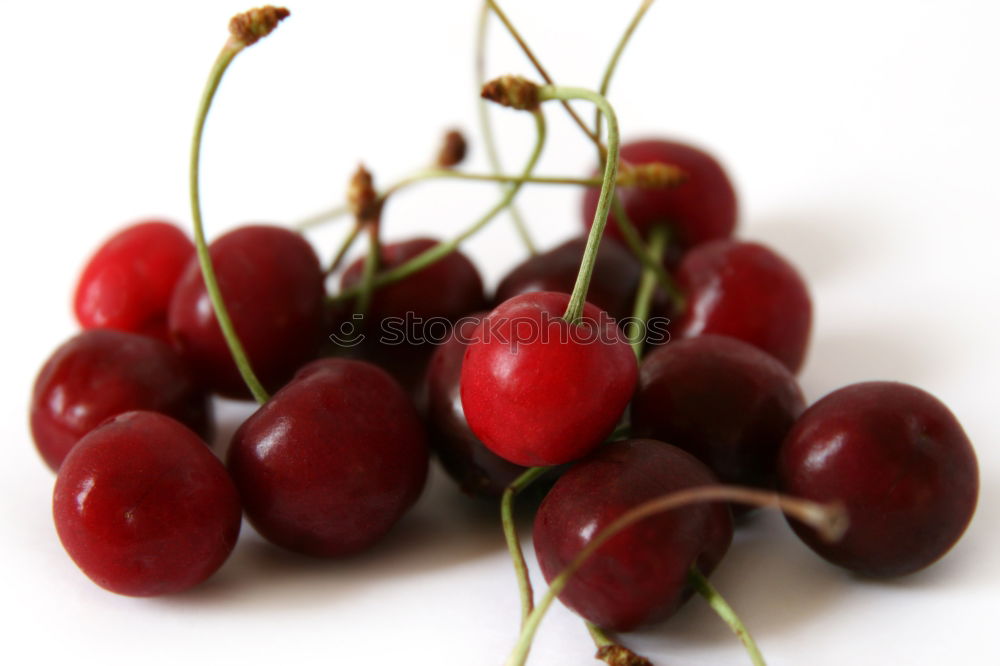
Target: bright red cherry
{"points": [[100, 373], [477, 470], [128, 282], [538, 390], [144, 508], [700, 209], [900, 462], [724, 401], [746, 291], [641, 574], [272, 284], [612, 285], [332, 460]]}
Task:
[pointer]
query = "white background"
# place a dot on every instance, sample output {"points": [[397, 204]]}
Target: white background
{"points": [[862, 136]]}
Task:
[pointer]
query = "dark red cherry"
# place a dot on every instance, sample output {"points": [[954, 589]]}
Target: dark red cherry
{"points": [[746, 291], [612, 285], [332, 460], [448, 289], [100, 373], [641, 574], [477, 470], [724, 401], [144, 508], [538, 390], [900, 462], [128, 282], [700, 209], [272, 284]]}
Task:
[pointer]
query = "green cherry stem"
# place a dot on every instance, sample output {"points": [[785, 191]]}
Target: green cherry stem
{"points": [[442, 250], [658, 238], [486, 127], [634, 242], [830, 520], [528, 477], [718, 603], [245, 29], [345, 246], [369, 269], [579, 295], [612, 653]]}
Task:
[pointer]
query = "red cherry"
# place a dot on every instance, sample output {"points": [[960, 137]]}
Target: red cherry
{"points": [[477, 470], [128, 282], [725, 402], [700, 209], [900, 462], [746, 291], [101, 373], [332, 460], [641, 574], [272, 284], [538, 390], [612, 285], [144, 508]]}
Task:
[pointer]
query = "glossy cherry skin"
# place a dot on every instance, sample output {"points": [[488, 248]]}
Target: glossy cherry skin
{"points": [[272, 284], [900, 462], [746, 291], [700, 209], [723, 401], [476, 469], [332, 461], [537, 390], [144, 508], [100, 373], [612, 285], [641, 574], [128, 282]]}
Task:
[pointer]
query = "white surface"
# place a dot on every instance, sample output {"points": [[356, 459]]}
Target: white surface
{"points": [[862, 136]]}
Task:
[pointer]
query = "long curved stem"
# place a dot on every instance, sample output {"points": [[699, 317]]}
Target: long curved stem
{"points": [[722, 608], [442, 250], [579, 295], [647, 286], [222, 62], [513, 542], [634, 242], [369, 269], [345, 246], [486, 127], [829, 519]]}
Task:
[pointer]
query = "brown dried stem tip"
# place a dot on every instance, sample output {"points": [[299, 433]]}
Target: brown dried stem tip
{"points": [[617, 655], [650, 175], [251, 25], [516, 92], [361, 195], [453, 150]]}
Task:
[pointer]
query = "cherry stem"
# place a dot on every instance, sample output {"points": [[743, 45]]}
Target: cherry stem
{"points": [[528, 477], [578, 297], [541, 70], [718, 603], [369, 268], [613, 64], [634, 242], [232, 47], [658, 238], [442, 250], [830, 520], [612, 653], [486, 127], [345, 246]]}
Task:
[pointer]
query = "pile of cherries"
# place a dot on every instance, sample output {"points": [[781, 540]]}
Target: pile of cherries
{"points": [[331, 461]]}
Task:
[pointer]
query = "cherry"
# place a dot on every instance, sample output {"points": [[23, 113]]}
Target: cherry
{"points": [[612, 287], [100, 373], [538, 390], [746, 291], [724, 401], [144, 508], [332, 460], [700, 209], [128, 282], [900, 462], [272, 284], [477, 470], [641, 574]]}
